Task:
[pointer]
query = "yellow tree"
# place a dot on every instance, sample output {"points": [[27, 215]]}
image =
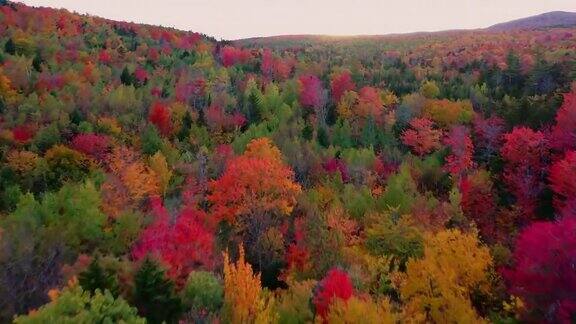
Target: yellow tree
{"points": [[22, 161], [361, 310], [437, 287], [140, 180], [242, 290], [159, 165]]}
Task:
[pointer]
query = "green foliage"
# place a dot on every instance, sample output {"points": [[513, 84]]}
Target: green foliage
{"points": [[342, 134], [154, 294], [322, 137], [397, 238], [95, 277], [71, 215], [46, 138], [294, 306], [429, 89], [74, 305], [401, 191], [151, 140], [203, 292], [124, 232], [357, 201]]}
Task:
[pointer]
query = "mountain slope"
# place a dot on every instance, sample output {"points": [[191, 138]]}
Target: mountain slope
{"points": [[549, 19]]}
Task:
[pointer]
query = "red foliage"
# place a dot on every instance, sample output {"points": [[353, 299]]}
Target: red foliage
{"points": [[181, 246], [230, 56], [479, 203], [219, 120], [310, 91], [267, 64], [564, 132], [255, 182], [193, 89], [461, 150], [336, 165], [104, 57], [543, 274], [370, 103], [141, 74], [422, 138], [340, 84], [22, 134], [160, 116], [96, 146], [525, 153], [298, 256], [336, 285], [563, 183]]}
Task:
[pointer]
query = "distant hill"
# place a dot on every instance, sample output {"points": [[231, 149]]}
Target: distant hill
{"points": [[546, 20], [549, 19]]}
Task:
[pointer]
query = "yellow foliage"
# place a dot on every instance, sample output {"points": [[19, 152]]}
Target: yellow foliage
{"points": [[22, 161], [7, 93], [361, 310], [242, 290], [388, 98], [267, 313], [159, 165], [370, 269], [438, 286], [64, 157], [294, 302], [140, 180], [346, 105], [445, 112], [263, 148], [429, 89], [110, 125]]}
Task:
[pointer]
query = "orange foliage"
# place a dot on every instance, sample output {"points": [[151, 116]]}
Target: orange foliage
{"points": [[242, 290], [256, 182]]}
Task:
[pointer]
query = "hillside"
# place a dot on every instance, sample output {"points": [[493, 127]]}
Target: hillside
{"points": [[556, 19], [149, 174], [545, 20]]}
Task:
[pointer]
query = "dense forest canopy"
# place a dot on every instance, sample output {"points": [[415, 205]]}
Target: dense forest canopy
{"points": [[149, 174]]}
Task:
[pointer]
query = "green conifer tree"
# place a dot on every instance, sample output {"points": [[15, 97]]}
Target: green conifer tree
{"points": [[154, 294], [96, 277]]}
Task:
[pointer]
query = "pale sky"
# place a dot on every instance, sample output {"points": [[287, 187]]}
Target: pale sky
{"points": [[233, 19]]}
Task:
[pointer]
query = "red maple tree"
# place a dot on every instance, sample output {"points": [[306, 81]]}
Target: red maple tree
{"points": [[160, 116], [422, 137], [525, 153], [543, 274], [336, 285]]}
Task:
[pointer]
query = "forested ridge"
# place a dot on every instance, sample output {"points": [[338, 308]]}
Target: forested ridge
{"points": [[149, 174]]}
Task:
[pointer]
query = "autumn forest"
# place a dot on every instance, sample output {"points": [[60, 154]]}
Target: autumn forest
{"points": [[152, 175]]}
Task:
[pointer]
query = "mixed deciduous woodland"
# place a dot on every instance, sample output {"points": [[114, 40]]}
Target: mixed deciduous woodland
{"points": [[154, 175]]}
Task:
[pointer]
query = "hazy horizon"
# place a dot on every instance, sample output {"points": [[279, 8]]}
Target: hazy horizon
{"points": [[256, 18]]}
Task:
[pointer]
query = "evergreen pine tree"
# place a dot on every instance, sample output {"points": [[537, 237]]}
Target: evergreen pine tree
{"points": [[184, 132], [369, 133], [254, 107], [126, 77], [96, 277], [307, 132], [37, 63], [322, 137], [151, 140], [10, 47], [201, 121], [331, 115], [154, 294]]}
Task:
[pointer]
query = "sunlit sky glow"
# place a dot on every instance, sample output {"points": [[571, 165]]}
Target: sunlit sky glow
{"points": [[233, 19]]}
